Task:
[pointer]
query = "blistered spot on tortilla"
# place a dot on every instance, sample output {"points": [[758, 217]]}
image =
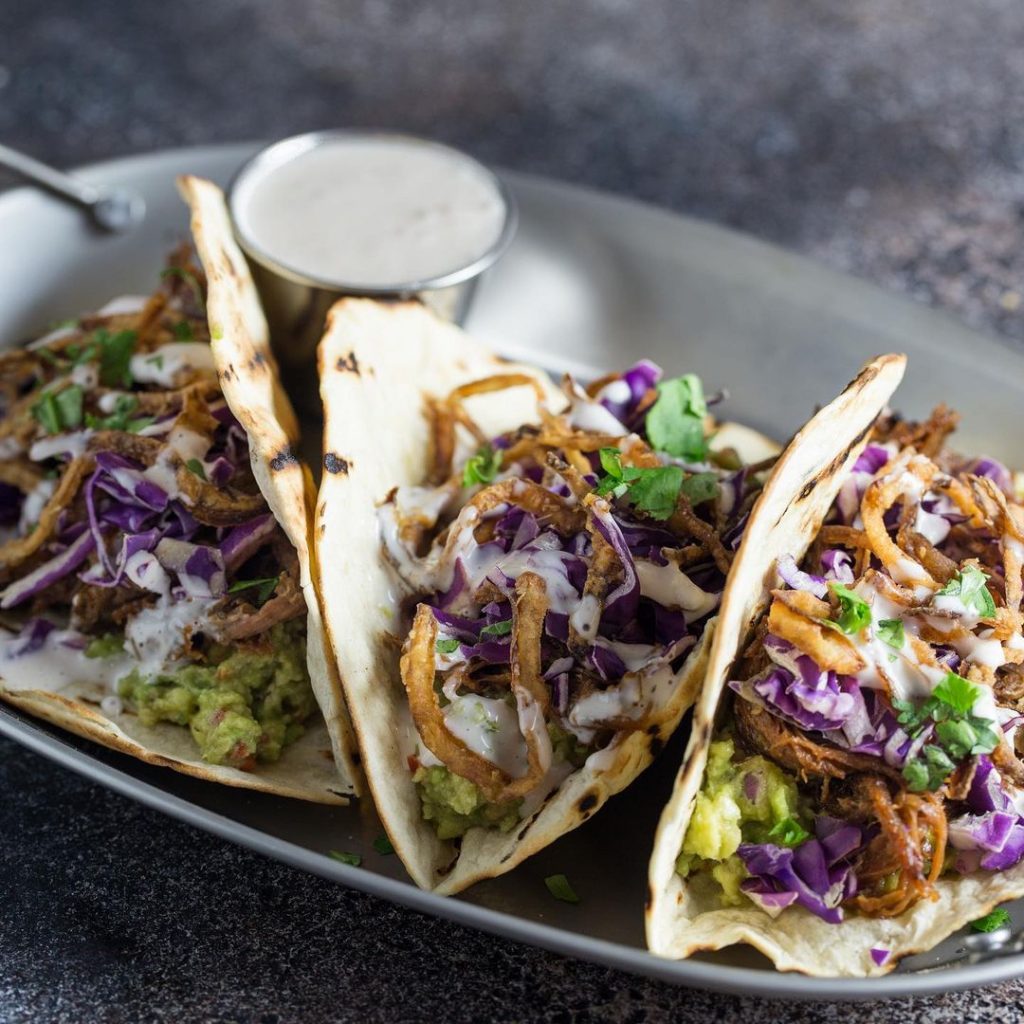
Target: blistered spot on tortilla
{"points": [[258, 360], [227, 373], [586, 803], [285, 457], [808, 489], [348, 364], [335, 463]]}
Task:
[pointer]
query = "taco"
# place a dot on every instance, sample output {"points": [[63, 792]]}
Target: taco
{"points": [[520, 581], [154, 566], [858, 794]]}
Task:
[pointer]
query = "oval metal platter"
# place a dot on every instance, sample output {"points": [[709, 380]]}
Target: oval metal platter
{"points": [[592, 281]]}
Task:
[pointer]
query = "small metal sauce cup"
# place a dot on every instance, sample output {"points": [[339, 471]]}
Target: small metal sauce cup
{"points": [[296, 303]]}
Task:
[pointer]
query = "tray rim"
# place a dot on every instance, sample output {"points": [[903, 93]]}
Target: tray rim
{"points": [[703, 974]]}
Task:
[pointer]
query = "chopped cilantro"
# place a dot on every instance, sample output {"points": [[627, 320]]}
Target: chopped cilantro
{"points": [[183, 331], [267, 585], [115, 352], [157, 361], [854, 611], [958, 733], [969, 586], [788, 832], [447, 645], [992, 921], [59, 410], [352, 859], [700, 487], [675, 423], [654, 490], [196, 467], [483, 467], [497, 628], [890, 631], [559, 887], [383, 845], [958, 693], [120, 419]]}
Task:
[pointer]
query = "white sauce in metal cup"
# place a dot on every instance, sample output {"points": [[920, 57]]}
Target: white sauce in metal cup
{"points": [[372, 211]]}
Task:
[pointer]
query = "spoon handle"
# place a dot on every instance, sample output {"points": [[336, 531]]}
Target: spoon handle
{"points": [[48, 177]]}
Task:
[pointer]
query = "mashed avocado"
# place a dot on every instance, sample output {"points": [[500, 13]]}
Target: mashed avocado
{"points": [[455, 805], [750, 801], [241, 705]]}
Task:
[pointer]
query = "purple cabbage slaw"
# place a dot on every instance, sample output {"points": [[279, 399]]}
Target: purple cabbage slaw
{"points": [[127, 513], [633, 633], [834, 708]]}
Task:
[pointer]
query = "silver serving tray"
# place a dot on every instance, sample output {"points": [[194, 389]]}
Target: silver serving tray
{"points": [[592, 281]]}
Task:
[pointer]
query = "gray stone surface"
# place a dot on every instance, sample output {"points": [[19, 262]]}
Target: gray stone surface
{"points": [[882, 137]]}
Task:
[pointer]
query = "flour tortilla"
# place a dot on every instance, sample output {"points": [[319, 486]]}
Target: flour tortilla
{"points": [[378, 363], [680, 920], [318, 767]]}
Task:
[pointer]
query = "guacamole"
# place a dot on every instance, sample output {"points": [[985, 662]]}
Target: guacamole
{"points": [[242, 705], [747, 801], [455, 805]]}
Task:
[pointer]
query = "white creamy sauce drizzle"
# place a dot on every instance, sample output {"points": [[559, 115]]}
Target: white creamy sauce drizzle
{"points": [[166, 364], [594, 418], [154, 635], [56, 665], [668, 585], [73, 444], [373, 211], [123, 305], [490, 728], [33, 504], [85, 375], [900, 672]]}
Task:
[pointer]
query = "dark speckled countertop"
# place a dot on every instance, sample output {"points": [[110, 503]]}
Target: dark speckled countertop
{"points": [[883, 138]]}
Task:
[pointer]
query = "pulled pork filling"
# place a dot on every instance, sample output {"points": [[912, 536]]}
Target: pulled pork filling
{"points": [[135, 546], [885, 688], [558, 576]]}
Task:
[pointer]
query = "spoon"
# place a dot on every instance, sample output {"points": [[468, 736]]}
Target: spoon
{"points": [[113, 210]]}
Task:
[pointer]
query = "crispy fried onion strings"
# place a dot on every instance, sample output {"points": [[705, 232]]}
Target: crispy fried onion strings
{"points": [[528, 687]]}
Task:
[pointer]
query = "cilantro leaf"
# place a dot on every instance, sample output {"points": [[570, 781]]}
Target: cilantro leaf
{"points": [[656, 490], [353, 859], [788, 832], [675, 423], [115, 352], [559, 887], [196, 467], [614, 483], [183, 331], [120, 418], [969, 586], [383, 845], [890, 631], [992, 921], [267, 585], [957, 692], [483, 467], [854, 611], [447, 645], [700, 487], [497, 628], [59, 410], [47, 413]]}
